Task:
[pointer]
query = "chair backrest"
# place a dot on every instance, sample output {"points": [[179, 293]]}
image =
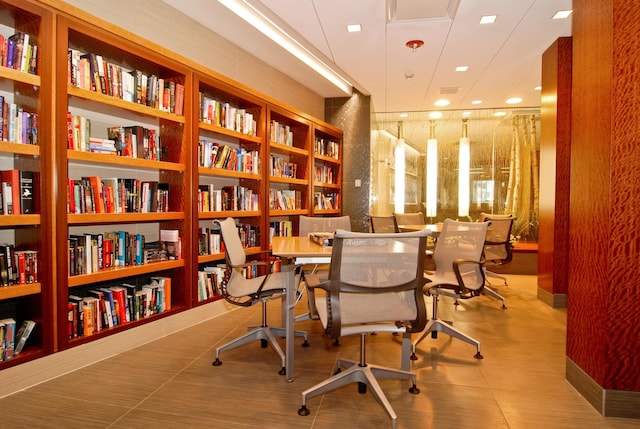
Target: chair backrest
{"points": [[308, 224], [232, 243], [497, 246], [376, 278], [461, 241], [416, 218], [383, 224]]}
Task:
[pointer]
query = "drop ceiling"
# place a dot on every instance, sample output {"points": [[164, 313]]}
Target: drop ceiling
{"points": [[503, 58]]}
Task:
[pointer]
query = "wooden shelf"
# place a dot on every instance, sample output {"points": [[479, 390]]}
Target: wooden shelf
{"points": [[121, 272], [19, 76], [221, 172], [123, 161], [15, 291], [19, 148], [111, 218], [19, 220]]}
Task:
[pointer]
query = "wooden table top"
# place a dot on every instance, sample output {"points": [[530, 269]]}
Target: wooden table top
{"points": [[298, 247]]}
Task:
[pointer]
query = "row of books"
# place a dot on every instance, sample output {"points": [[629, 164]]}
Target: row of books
{"points": [[225, 115], [209, 241], [16, 124], [106, 307], [329, 201], [279, 167], [17, 192], [227, 198], [210, 281], [19, 53], [212, 154], [90, 253], [281, 133], [17, 266], [92, 72], [12, 341], [249, 235], [95, 194], [285, 199], [325, 174], [326, 148], [280, 228]]}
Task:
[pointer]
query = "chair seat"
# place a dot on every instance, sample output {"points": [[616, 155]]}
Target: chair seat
{"points": [[354, 314], [243, 287]]}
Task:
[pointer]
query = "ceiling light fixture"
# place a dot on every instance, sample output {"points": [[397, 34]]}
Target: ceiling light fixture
{"points": [[442, 102], [354, 28], [562, 14], [476, 102], [537, 88], [462, 68], [414, 44], [435, 115], [513, 100], [270, 29], [488, 19]]}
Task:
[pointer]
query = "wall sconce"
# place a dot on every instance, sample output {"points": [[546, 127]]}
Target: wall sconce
{"points": [[431, 172], [464, 159]]}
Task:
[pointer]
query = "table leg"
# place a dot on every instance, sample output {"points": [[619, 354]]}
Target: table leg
{"points": [[288, 314]]}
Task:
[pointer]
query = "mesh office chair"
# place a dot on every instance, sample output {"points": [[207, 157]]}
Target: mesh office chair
{"points": [[498, 250], [245, 292], [416, 218], [459, 274], [375, 285], [383, 224], [307, 225]]}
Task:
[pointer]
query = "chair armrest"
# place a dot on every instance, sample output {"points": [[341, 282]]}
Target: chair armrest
{"points": [[458, 263], [313, 282]]}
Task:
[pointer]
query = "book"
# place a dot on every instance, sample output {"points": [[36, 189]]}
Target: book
{"points": [[9, 337], [26, 179], [324, 239], [22, 335], [10, 191]]}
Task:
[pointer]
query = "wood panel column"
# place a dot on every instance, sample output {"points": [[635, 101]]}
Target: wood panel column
{"points": [[555, 163], [603, 316]]}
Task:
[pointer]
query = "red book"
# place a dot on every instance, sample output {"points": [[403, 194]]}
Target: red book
{"points": [[13, 177], [69, 131], [120, 296]]}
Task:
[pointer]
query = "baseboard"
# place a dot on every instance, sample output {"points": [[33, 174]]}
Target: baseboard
{"points": [[609, 403], [555, 300], [40, 370]]}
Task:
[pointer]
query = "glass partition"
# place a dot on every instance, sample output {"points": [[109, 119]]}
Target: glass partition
{"points": [[492, 153]]}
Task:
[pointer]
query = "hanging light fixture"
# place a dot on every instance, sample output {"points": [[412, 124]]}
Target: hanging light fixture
{"points": [[431, 172], [398, 198], [464, 159]]}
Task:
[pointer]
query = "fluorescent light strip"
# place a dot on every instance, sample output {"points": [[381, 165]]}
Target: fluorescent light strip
{"points": [[279, 36]]}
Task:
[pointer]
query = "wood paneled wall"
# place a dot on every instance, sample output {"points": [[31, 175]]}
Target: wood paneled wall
{"points": [[603, 323]]}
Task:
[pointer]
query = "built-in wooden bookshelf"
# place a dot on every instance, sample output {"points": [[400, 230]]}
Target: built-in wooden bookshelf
{"points": [[327, 170], [147, 166], [25, 88], [228, 153], [85, 141]]}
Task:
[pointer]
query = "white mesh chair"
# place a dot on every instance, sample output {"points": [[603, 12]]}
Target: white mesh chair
{"points": [[416, 218], [459, 274], [307, 225], [375, 285], [245, 292]]}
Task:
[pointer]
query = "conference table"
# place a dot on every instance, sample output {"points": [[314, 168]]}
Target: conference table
{"points": [[303, 251]]}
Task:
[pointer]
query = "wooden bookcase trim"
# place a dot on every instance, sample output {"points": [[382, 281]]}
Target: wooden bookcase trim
{"points": [[121, 272]]}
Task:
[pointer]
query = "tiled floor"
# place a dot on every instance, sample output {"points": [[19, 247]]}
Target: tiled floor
{"points": [[170, 383]]}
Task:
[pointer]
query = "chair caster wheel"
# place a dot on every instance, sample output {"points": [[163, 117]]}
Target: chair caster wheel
{"points": [[264, 344], [306, 344], [336, 343], [362, 388], [478, 356], [413, 357], [303, 411], [282, 371], [217, 362], [413, 389]]}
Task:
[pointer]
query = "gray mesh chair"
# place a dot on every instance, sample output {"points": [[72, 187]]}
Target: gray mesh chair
{"points": [[459, 274], [245, 292], [375, 285], [383, 224], [307, 225], [416, 218], [498, 249]]}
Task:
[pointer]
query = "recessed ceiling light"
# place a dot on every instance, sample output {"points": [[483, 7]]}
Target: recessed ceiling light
{"points": [[467, 113], [488, 19], [513, 100], [404, 115], [462, 68], [537, 88], [442, 102], [562, 14], [500, 114], [354, 28], [476, 102], [435, 115]]}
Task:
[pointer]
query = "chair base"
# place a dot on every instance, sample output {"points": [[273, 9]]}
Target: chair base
{"points": [[367, 375], [436, 325], [266, 334], [491, 292], [497, 276]]}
